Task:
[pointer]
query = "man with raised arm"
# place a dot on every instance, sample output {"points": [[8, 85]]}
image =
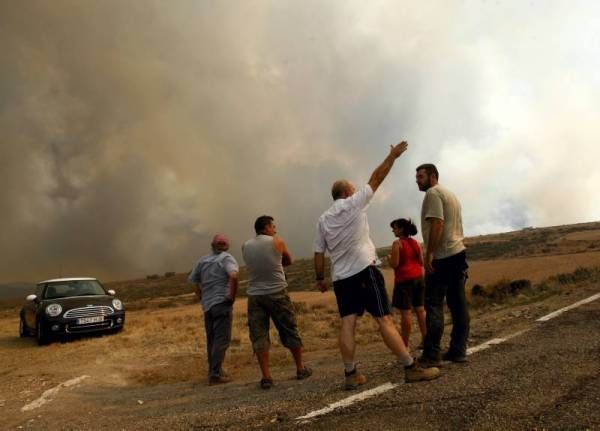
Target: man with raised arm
{"points": [[343, 233], [216, 279], [268, 299]]}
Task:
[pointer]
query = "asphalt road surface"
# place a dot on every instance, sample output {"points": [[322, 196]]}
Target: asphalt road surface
{"points": [[547, 377]]}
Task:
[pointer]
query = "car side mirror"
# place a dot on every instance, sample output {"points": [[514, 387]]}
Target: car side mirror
{"points": [[112, 292], [31, 297]]}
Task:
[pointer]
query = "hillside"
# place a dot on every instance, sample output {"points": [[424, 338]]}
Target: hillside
{"points": [[487, 254], [12, 291], [529, 242]]}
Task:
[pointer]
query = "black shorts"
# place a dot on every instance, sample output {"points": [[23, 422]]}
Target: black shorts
{"points": [[409, 294], [362, 291]]}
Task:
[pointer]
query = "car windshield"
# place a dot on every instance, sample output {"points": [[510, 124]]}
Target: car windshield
{"points": [[65, 289]]}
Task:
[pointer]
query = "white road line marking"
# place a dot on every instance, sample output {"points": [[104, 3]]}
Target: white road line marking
{"points": [[562, 310], [50, 393], [350, 400], [389, 386], [493, 342]]}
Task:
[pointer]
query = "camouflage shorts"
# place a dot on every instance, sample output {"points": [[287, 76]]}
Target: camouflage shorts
{"points": [[279, 308]]}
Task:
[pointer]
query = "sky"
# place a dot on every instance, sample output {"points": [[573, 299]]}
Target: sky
{"points": [[131, 131]]}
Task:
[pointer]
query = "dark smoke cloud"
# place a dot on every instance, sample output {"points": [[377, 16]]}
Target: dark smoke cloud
{"points": [[131, 131]]}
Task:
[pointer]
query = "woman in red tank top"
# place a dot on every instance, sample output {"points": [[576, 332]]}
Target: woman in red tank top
{"points": [[409, 284]]}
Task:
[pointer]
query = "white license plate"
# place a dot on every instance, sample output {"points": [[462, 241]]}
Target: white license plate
{"points": [[86, 320]]}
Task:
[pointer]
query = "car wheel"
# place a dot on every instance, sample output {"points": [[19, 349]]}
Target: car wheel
{"points": [[23, 330], [41, 334]]}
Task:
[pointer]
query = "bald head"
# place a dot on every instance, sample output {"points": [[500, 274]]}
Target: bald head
{"points": [[342, 189]]}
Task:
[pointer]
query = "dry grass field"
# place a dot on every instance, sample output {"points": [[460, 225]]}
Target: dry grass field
{"points": [[164, 341]]}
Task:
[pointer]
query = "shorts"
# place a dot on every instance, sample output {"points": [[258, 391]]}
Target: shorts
{"points": [[279, 308], [362, 291], [409, 294]]}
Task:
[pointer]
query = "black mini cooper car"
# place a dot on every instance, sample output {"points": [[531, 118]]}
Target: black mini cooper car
{"points": [[70, 306]]}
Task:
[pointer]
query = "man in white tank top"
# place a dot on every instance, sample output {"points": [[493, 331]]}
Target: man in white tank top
{"points": [[268, 299]]}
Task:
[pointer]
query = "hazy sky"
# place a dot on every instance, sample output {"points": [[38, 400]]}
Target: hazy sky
{"points": [[131, 131]]}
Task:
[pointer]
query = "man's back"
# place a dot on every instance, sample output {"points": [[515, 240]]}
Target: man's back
{"points": [[343, 231], [212, 272], [265, 269]]}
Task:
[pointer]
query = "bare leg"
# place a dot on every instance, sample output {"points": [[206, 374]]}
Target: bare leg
{"points": [[347, 343], [297, 354], [421, 320], [392, 339], [263, 362], [405, 325]]}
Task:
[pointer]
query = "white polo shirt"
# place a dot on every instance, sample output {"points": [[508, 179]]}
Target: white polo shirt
{"points": [[343, 232]]}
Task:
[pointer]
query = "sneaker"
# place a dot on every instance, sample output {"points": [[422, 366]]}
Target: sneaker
{"points": [[426, 362], [266, 383], [452, 357], [354, 379], [416, 373], [304, 373], [218, 380]]}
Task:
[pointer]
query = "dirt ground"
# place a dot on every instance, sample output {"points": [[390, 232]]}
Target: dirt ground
{"points": [[153, 374]]}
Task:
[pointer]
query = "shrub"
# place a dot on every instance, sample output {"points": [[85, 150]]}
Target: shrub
{"points": [[581, 274]]}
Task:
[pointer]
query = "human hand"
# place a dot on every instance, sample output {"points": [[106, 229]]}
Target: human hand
{"points": [[398, 149], [429, 269], [321, 285]]}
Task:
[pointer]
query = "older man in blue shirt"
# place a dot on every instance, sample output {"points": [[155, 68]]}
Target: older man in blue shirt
{"points": [[216, 278]]}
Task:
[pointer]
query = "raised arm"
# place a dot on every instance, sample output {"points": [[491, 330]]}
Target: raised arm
{"points": [[383, 169]]}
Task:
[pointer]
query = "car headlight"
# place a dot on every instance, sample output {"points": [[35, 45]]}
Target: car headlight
{"points": [[117, 304], [53, 310]]}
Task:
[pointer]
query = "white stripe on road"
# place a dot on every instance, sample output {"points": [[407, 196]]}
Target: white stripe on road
{"points": [[493, 342], [50, 393], [389, 386], [350, 400], [562, 310]]}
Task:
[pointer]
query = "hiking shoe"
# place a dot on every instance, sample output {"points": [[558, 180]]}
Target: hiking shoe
{"points": [[426, 362], [452, 357], [416, 373], [266, 383], [218, 380], [354, 379], [304, 373]]}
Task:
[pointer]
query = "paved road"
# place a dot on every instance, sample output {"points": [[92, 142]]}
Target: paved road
{"points": [[546, 378]]}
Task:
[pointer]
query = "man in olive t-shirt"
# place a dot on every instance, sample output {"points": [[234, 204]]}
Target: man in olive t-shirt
{"points": [[445, 266]]}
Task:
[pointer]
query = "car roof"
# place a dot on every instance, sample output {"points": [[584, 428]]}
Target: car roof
{"points": [[56, 280]]}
